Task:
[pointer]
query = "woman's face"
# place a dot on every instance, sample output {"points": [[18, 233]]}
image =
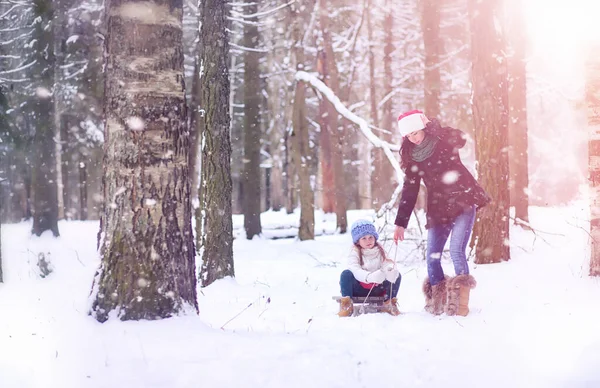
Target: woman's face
{"points": [[416, 137], [367, 242]]}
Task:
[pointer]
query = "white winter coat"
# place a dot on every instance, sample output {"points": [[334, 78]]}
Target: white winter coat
{"points": [[372, 261]]}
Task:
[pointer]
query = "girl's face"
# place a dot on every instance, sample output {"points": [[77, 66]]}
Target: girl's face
{"points": [[367, 242], [416, 137]]}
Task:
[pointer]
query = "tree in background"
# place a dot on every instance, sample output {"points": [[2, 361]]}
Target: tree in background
{"points": [[592, 99], [146, 241], [251, 176], [517, 108], [216, 238], [41, 121], [430, 24], [490, 114]]}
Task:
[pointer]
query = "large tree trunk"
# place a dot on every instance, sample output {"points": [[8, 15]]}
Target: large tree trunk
{"points": [[592, 97], [217, 233], [337, 157], [44, 174], [491, 130], [517, 123], [430, 24], [299, 136], [146, 245], [252, 134]]}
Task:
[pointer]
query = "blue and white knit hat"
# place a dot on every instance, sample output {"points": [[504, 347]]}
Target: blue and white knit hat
{"points": [[362, 228]]}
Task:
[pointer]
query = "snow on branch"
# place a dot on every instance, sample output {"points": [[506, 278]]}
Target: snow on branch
{"points": [[263, 13], [316, 83]]}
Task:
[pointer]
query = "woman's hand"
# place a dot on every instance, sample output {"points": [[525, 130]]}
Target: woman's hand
{"points": [[398, 234]]}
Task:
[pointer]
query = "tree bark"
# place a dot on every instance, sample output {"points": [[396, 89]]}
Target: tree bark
{"points": [[146, 241], [517, 123], [490, 113], [337, 160], [430, 24], [44, 173], [217, 233], [592, 97], [251, 176]]}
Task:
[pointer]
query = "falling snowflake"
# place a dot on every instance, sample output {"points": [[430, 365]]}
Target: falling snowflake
{"points": [[42, 92], [135, 123], [450, 177]]}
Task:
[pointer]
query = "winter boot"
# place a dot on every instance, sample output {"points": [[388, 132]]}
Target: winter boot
{"points": [[435, 296], [459, 289], [346, 307], [390, 306]]}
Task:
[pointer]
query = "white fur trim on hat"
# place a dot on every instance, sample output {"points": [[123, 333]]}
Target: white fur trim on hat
{"points": [[412, 121]]}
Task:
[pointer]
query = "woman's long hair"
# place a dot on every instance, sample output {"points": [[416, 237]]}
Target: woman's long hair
{"points": [[406, 153], [360, 256]]}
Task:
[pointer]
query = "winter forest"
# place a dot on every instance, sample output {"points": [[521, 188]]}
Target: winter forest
{"points": [[179, 180]]}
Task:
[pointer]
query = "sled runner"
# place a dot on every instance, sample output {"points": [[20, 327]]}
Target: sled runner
{"points": [[364, 305]]}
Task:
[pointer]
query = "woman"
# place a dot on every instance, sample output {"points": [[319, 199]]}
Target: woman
{"points": [[430, 152]]}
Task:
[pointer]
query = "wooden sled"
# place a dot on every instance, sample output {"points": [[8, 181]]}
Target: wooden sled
{"points": [[363, 305]]}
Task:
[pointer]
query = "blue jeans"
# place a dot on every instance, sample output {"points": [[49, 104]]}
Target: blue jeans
{"points": [[351, 287], [461, 229]]}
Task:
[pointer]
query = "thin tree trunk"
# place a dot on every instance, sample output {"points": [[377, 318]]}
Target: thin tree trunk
{"points": [[369, 182], [147, 246], [490, 112], [251, 176], [327, 183], [44, 174], [83, 182], [517, 123], [592, 97], [336, 135], [217, 233], [430, 25], [58, 27], [384, 169]]}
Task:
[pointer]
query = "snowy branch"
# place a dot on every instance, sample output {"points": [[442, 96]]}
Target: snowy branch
{"points": [[263, 13], [19, 68], [364, 128]]}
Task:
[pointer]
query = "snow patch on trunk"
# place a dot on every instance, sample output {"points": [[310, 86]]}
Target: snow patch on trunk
{"points": [[149, 12]]}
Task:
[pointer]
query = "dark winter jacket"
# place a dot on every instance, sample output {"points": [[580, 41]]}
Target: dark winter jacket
{"points": [[450, 186]]}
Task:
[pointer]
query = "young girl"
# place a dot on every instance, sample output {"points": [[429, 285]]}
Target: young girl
{"points": [[429, 152], [369, 271]]}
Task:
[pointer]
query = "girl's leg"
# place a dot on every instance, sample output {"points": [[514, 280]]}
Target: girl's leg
{"points": [[393, 286], [436, 240], [347, 281], [351, 287], [461, 233]]}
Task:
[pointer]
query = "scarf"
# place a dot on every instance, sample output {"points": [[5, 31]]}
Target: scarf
{"points": [[424, 150]]}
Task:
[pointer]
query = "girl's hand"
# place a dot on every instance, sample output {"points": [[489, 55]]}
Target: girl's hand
{"points": [[398, 234]]}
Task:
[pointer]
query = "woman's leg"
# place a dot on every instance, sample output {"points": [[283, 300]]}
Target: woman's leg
{"points": [[436, 240], [461, 233]]}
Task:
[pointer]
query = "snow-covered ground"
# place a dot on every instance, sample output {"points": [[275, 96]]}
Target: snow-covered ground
{"points": [[534, 320]]}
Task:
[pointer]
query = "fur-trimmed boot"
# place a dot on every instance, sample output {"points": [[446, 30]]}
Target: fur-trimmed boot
{"points": [[346, 307], [435, 296], [390, 306], [459, 288]]}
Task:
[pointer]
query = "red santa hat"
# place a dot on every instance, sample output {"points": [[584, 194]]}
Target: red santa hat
{"points": [[411, 121]]}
